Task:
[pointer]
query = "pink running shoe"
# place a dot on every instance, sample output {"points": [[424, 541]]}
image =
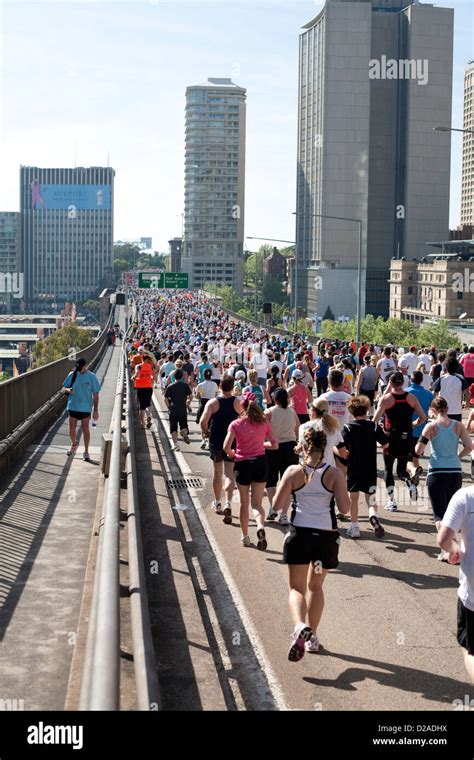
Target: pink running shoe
{"points": [[299, 637]]}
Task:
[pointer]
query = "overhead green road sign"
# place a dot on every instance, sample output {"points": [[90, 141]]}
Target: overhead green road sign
{"points": [[176, 280], [163, 280]]}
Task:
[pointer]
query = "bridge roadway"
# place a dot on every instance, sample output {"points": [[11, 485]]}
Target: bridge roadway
{"points": [[388, 629], [47, 510], [219, 613]]}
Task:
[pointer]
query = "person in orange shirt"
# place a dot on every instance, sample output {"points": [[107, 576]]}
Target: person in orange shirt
{"points": [[143, 378]]}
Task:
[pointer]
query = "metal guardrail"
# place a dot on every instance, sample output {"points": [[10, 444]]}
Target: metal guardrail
{"points": [[100, 688], [21, 397]]}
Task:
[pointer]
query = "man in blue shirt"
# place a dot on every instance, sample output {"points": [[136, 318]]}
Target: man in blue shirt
{"points": [[82, 387], [425, 398]]}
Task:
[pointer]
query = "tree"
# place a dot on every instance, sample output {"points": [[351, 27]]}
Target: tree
{"points": [[153, 260], [328, 314], [91, 305], [128, 251], [120, 265], [438, 335], [273, 291], [66, 341]]}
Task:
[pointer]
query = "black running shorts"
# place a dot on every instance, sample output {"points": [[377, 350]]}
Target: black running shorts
{"points": [[465, 627], [400, 444], [79, 415], [304, 545], [144, 397], [219, 455], [279, 460], [178, 419], [249, 471]]}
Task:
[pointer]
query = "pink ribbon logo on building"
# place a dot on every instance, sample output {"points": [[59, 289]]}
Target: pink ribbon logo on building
{"points": [[36, 194]]}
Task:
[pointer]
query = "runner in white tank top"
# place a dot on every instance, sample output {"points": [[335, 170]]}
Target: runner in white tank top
{"points": [[312, 544]]}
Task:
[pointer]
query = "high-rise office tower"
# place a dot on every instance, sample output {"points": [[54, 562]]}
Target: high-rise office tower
{"points": [[11, 277], [67, 233], [214, 184], [374, 79], [467, 189]]}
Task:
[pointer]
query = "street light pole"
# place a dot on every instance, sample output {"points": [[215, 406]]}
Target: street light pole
{"points": [[273, 240], [452, 129]]}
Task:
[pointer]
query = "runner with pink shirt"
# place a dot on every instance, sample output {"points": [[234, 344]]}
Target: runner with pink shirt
{"points": [[253, 435], [299, 396]]}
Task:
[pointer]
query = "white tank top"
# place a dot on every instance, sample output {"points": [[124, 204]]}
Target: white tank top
{"points": [[386, 368], [313, 504]]}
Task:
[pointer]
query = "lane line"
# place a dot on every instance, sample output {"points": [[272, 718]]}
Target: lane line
{"points": [[274, 685]]}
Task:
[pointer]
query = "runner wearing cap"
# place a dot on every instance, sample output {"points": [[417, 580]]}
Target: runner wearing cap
{"points": [[299, 396]]}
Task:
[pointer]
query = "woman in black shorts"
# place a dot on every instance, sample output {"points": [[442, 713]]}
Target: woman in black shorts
{"points": [[311, 546], [285, 424], [253, 435]]}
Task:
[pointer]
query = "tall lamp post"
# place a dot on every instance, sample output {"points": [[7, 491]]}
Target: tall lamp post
{"points": [[452, 129], [272, 240], [359, 261]]}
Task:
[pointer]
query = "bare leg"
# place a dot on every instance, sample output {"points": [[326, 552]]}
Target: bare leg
{"points": [[217, 480], [469, 664], [257, 498], [87, 435], [298, 575], [354, 496], [142, 417], [244, 509], [229, 480], [271, 491], [73, 430], [315, 596]]}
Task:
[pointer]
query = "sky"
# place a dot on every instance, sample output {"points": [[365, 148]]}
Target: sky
{"points": [[103, 83]]}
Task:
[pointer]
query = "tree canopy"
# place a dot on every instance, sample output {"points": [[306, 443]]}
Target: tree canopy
{"points": [[62, 343]]}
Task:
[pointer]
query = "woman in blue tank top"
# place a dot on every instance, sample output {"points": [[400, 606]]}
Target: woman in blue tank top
{"points": [[444, 470]]}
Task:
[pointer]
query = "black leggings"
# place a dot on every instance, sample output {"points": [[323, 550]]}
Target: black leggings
{"points": [[389, 461], [321, 385], [441, 487]]}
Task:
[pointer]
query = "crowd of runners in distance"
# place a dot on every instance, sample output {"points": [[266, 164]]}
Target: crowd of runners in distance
{"points": [[303, 422]]}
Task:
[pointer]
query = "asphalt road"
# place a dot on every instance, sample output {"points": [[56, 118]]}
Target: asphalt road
{"points": [[389, 625]]}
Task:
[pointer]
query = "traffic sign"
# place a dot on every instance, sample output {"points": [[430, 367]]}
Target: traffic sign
{"points": [[161, 280]]}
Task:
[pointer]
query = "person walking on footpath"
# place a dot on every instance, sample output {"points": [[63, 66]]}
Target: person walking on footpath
{"points": [[253, 435], [360, 439], [218, 414], [311, 546], [459, 516], [83, 388]]}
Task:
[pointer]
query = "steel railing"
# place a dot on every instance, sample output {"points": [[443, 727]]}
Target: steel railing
{"points": [[100, 688], [22, 396]]}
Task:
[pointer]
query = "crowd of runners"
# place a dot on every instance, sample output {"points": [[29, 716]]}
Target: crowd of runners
{"points": [[301, 423]]}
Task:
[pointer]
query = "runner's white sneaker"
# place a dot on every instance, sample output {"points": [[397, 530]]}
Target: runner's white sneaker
{"points": [[313, 644], [283, 520], [391, 506], [353, 532], [217, 507], [227, 513], [245, 541]]}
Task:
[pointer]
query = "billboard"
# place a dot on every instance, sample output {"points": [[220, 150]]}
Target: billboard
{"points": [[91, 197]]}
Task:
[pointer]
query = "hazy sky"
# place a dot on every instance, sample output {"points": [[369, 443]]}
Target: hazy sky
{"points": [[84, 81]]}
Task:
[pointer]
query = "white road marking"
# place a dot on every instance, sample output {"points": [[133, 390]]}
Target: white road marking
{"points": [[272, 680]]}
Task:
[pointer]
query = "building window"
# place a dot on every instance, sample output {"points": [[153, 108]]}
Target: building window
{"points": [[460, 295], [410, 290]]}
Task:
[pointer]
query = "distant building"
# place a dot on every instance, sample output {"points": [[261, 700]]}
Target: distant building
{"points": [[146, 242], [174, 259], [214, 184], [374, 78], [275, 265], [462, 232], [66, 233], [437, 286], [11, 276], [467, 181]]}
